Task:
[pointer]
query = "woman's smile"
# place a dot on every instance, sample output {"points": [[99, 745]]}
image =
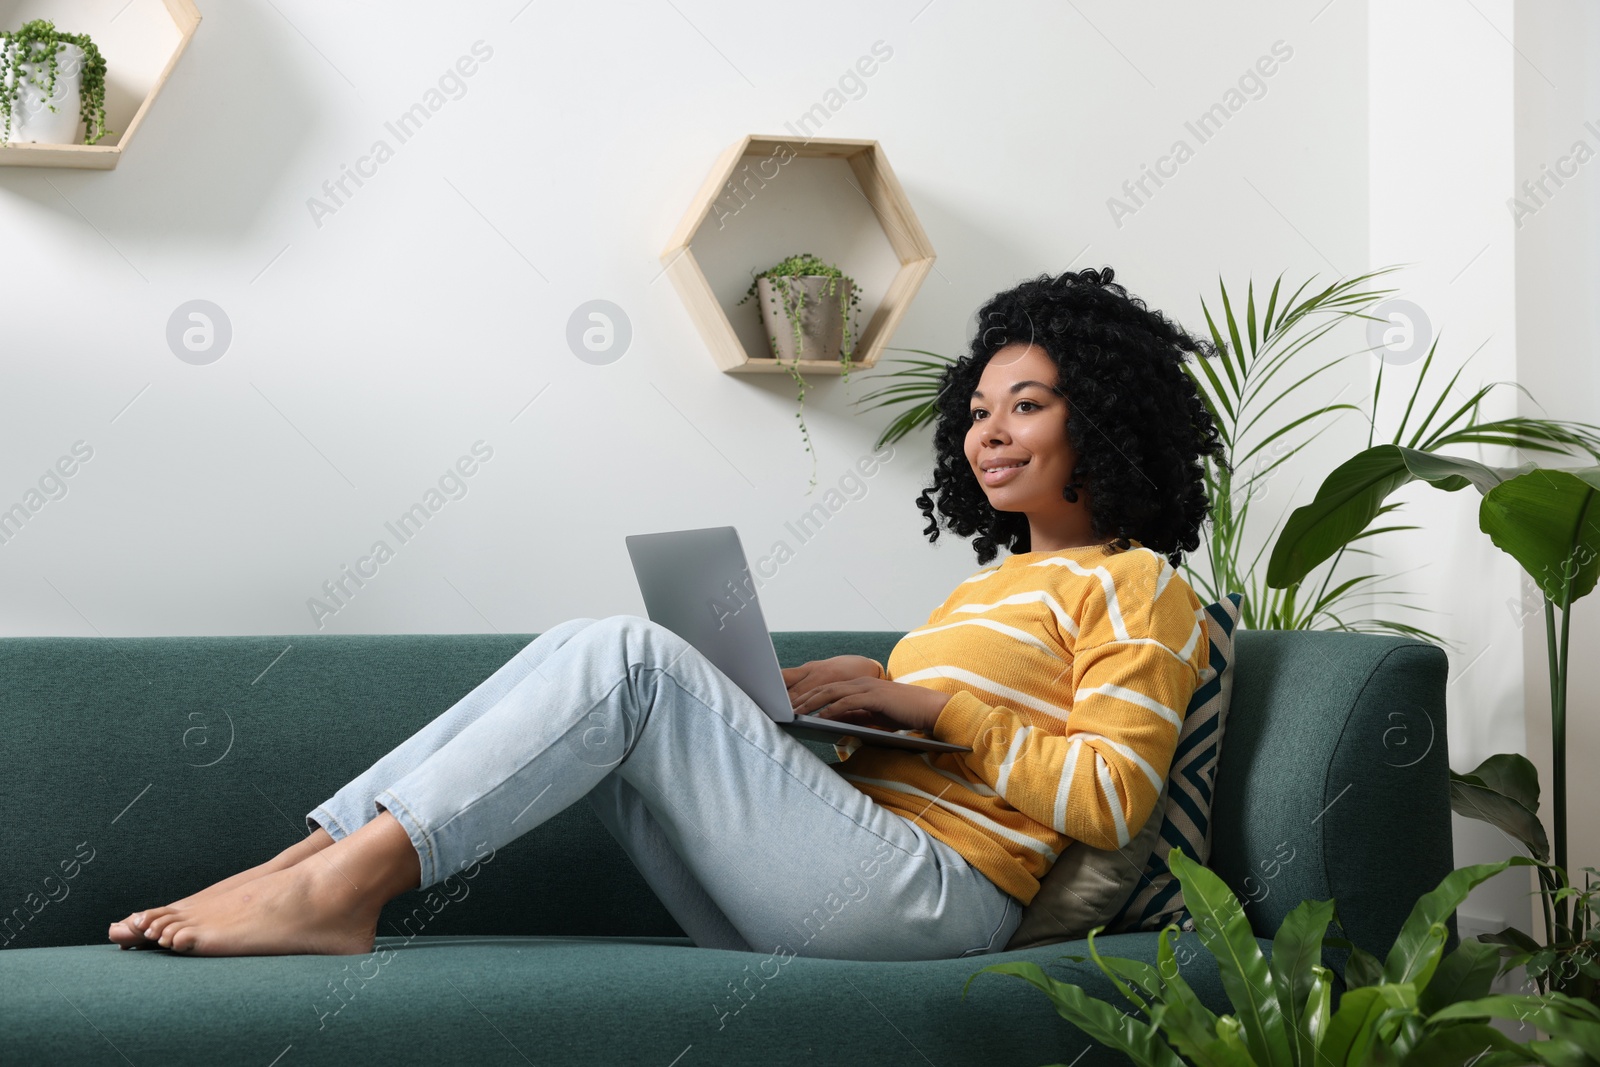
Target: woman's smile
{"points": [[1001, 475]]}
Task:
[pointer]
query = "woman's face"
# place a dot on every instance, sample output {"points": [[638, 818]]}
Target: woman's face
{"points": [[1018, 420]]}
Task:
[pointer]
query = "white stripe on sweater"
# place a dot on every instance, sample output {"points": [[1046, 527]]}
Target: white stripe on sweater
{"points": [[1107, 583], [1140, 761], [1166, 576], [1132, 696], [1058, 820], [1034, 596], [1017, 742], [1196, 635], [1108, 788], [1005, 692], [979, 788], [1181, 657], [999, 627], [966, 813]]}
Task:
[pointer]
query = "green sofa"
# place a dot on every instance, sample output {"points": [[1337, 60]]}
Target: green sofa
{"points": [[140, 769]]}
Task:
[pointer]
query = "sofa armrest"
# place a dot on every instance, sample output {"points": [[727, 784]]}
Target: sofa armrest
{"points": [[1333, 781]]}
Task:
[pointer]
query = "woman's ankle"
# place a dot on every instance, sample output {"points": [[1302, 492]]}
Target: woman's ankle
{"points": [[309, 845], [377, 860]]}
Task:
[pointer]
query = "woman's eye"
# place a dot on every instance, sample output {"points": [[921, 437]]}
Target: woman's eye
{"points": [[980, 411]]}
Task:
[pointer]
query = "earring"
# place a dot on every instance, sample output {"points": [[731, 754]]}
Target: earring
{"points": [[1069, 492]]}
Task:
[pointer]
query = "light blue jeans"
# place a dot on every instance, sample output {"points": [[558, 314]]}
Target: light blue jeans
{"points": [[750, 840]]}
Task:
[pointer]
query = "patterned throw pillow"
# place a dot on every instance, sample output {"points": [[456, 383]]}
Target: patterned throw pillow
{"points": [[1158, 899], [1118, 888]]}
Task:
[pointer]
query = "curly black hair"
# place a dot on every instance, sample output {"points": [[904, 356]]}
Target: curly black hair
{"points": [[1135, 417]]}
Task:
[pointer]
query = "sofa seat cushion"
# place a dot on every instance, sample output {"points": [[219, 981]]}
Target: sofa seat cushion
{"points": [[568, 1000]]}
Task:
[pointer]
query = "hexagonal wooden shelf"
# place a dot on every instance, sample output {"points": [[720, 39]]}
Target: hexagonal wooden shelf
{"points": [[140, 52], [890, 208]]}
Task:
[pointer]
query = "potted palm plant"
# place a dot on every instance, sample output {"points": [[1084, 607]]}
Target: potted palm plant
{"points": [[49, 81]]}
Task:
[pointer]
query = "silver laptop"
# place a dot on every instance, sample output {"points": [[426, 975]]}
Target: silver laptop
{"points": [[697, 584]]}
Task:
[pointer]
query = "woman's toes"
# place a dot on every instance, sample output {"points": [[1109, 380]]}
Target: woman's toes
{"points": [[181, 935], [154, 926]]}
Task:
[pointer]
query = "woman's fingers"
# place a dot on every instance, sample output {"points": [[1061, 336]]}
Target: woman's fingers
{"points": [[866, 717], [838, 701]]}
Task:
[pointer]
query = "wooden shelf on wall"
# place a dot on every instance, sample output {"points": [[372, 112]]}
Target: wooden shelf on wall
{"points": [[892, 211], [140, 54]]}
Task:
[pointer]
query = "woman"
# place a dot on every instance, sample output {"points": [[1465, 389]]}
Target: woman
{"points": [[1070, 436]]}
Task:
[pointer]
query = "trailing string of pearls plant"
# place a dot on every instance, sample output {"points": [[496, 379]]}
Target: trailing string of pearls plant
{"points": [[791, 297], [39, 43]]}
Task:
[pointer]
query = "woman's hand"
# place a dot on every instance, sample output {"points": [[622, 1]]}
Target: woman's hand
{"points": [[808, 676], [847, 688]]}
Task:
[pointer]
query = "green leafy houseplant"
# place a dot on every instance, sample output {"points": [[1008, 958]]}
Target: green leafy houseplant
{"points": [[917, 387], [1418, 1008], [1548, 520], [39, 42], [1255, 350], [790, 296]]}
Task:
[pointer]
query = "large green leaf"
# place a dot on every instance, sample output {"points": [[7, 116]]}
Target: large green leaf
{"points": [[1353, 1028], [1510, 774], [1296, 956], [1464, 1043], [1225, 931], [1465, 974], [1139, 974], [1416, 949], [1474, 798], [1317, 1014], [1228, 1029], [1513, 938], [1099, 1020], [1190, 1026], [1362, 969], [1114, 967], [1556, 1014], [1350, 498], [1549, 521]]}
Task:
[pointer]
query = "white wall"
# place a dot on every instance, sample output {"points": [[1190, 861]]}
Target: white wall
{"points": [[370, 351], [1467, 102], [1558, 335], [1442, 161]]}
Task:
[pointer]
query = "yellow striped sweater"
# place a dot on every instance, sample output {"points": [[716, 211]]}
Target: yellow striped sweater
{"points": [[1070, 672]]}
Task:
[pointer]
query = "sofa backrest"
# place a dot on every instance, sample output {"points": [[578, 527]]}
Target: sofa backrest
{"points": [[141, 769]]}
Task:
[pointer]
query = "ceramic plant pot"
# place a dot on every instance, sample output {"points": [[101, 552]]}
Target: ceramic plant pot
{"points": [[32, 117], [821, 316]]}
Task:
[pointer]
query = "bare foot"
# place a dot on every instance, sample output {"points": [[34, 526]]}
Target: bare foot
{"points": [[129, 933], [327, 904], [307, 908]]}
